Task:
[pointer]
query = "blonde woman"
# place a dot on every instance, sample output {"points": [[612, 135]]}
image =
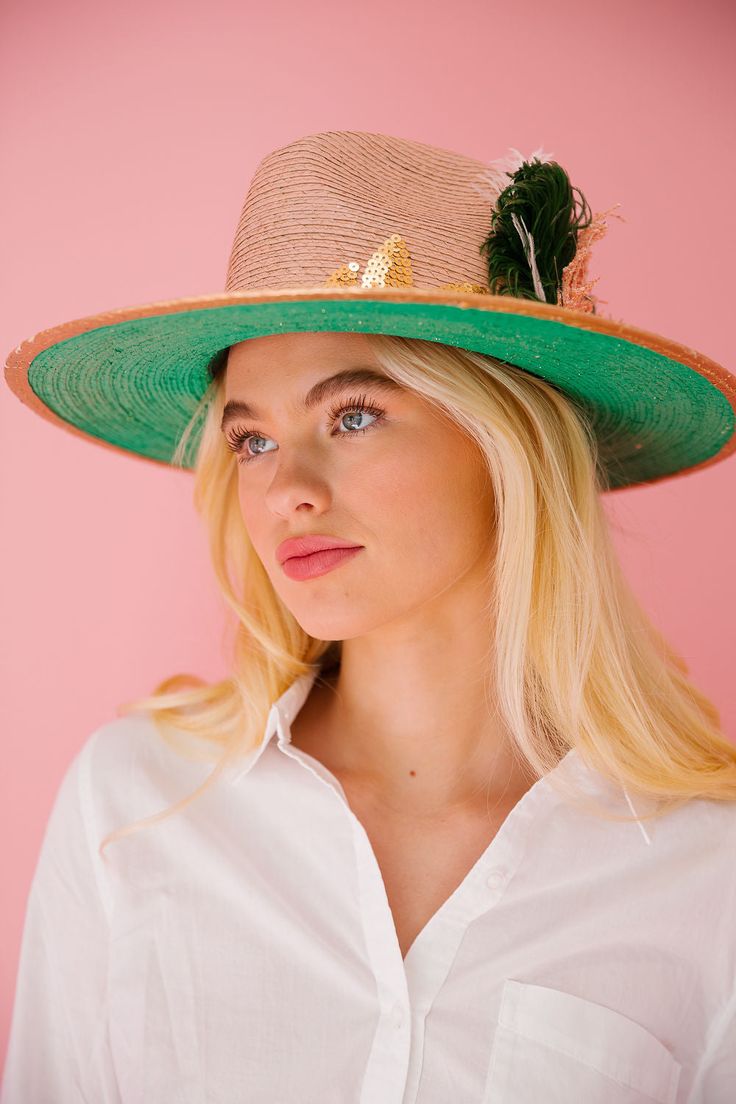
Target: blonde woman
{"points": [[458, 827]]}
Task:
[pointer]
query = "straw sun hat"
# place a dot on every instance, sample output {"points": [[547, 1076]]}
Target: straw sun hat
{"points": [[361, 232]]}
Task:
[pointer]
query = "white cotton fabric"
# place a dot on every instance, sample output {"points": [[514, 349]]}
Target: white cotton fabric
{"points": [[243, 950]]}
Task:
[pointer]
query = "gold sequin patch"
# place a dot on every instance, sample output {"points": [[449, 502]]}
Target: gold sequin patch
{"points": [[477, 289], [388, 266]]}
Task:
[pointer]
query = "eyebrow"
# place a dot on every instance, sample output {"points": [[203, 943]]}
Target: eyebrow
{"points": [[324, 389]]}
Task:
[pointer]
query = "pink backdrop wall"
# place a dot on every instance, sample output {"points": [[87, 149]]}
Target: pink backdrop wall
{"points": [[130, 134]]}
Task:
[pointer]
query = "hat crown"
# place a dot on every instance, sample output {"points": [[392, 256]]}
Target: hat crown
{"points": [[331, 199]]}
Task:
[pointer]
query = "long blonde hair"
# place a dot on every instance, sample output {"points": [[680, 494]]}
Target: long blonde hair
{"points": [[578, 664]]}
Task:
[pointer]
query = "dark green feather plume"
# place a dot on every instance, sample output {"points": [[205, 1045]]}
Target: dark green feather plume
{"points": [[542, 198]]}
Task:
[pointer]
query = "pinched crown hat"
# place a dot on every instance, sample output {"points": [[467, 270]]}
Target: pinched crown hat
{"points": [[361, 232]]}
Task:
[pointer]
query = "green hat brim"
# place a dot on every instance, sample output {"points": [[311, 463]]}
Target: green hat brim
{"points": [[132, 378]]}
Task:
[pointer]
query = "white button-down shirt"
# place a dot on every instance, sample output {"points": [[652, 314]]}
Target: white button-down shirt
{"points": [[244, 950]]}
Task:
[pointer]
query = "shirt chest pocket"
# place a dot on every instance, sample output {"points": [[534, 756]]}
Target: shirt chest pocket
{"points": [[554, 1047]]}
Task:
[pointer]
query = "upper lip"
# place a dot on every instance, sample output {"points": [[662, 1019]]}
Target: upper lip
{"points": [[303, 546]]}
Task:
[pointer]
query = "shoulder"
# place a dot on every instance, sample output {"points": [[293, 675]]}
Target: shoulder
{"points": [[699, 833], [708, 828], [127, 769], [693, 848], [703, 822]]}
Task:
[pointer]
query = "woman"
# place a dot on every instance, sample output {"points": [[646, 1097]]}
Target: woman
{"points": [[469, 832]]}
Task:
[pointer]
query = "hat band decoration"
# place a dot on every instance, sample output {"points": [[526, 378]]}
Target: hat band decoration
{"points": [[388, 266], [541, 233], [527, 263]]}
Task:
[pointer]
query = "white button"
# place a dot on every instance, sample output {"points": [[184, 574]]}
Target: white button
{"points": [[397, 1015], [496, 878]]}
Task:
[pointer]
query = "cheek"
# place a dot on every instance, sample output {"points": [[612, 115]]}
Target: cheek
{"points": [[438, 499], [253, 514]]}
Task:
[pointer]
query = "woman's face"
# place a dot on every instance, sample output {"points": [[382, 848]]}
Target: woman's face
{"points": [[412, 489]]}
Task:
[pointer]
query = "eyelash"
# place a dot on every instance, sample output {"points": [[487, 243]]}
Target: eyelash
{"points": [[237, 437]]}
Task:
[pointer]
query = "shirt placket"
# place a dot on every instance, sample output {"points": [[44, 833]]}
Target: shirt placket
{"points": [[406, 989], [385, 1074]]}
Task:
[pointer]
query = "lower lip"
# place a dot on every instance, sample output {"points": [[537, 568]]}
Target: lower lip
{"points": [[317, 563]]}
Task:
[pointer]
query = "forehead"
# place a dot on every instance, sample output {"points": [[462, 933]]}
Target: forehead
{"points": [[272, 357], [310, 367]]}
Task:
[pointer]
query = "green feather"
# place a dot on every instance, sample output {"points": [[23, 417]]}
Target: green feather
{"points": [[541, 195]]}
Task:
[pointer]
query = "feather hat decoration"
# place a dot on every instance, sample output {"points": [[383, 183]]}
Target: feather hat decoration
{"points": [[541, 232]]}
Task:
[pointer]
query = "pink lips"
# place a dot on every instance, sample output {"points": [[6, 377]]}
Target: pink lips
{"points": [[318, 563], [306, 545]]}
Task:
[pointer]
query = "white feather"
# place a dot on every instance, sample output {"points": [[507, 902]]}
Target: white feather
{"points": [[528, 242]]}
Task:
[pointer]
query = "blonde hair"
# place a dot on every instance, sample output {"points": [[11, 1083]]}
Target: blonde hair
{"points": [[577, 662]]}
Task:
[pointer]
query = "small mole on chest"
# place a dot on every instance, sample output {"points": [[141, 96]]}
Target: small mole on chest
{"points": [[412, 772]]}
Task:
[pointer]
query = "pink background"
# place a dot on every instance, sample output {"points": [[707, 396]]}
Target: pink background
{"points": [[130, 133]]}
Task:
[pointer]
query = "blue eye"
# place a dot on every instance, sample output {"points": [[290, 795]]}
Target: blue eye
{"points": [[238, 438]]}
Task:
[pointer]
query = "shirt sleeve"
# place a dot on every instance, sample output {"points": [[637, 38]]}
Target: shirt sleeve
{"points": [[58, 1046]]}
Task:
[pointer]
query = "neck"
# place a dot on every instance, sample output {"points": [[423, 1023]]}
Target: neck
{"points": [[417, 728]]}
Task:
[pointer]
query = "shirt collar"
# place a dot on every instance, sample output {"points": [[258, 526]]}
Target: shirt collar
{"points": [[286, 707], [282, 713]]}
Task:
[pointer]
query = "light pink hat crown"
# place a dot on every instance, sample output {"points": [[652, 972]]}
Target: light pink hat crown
{"points": [[341, 206]]}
